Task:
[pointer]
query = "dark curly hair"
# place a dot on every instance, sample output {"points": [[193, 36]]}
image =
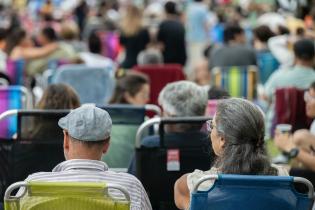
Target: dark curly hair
{"points": [[59, 96], [241, 124]]}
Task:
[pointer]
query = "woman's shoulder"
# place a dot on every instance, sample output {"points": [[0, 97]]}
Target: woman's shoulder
{"points": [[193, 178], [16, 53]]}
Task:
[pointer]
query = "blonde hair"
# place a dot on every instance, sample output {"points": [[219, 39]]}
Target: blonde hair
{"points": [[69, 30], [131, 22]]}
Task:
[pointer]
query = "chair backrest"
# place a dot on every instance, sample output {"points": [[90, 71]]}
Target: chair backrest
{"points": [[15, 70], [161, 75], [252, 192], [239, 81], [93, 85], [267, 64], [126, 121], [290, 109], [38, 145], [176, 155], [211, 107], [11, 97], [110, 44], [66, 195]]}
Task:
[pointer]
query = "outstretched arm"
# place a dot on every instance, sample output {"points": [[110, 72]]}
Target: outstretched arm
{"points": [[38, 52]]}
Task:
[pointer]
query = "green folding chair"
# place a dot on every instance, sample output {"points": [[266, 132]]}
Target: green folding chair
{"points": [[66, 196]]}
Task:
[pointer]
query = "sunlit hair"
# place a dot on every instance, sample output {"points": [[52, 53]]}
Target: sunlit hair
{"points": [[183, 99], [131, 22], [130, 83], [241, 124], [59, 96]]}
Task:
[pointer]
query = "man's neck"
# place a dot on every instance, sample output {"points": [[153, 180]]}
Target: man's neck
{"points": [[306, 64]]}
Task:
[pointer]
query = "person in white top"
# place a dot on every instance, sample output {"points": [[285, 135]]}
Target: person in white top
{"points": [[237, 136], [94, 58], [301, 145]]}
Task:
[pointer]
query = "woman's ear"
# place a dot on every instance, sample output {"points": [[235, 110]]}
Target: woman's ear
{"points": [[221, 143]]}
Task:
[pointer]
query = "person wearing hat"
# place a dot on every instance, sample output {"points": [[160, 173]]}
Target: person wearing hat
{"points": [[87, 132]]}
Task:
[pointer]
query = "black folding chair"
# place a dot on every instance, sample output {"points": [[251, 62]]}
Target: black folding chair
{"points": [[37, 147], [159, 167]]}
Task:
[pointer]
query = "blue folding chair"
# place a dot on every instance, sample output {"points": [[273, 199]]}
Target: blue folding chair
{"points": [[245, 192], [93, 85]]}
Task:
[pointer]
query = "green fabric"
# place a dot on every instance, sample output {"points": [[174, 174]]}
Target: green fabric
{"points": [[122, 145], [234, 82], [66, 196], [238, 81]]}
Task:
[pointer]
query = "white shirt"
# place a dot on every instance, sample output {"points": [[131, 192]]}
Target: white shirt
{"points": [[96, 60]]}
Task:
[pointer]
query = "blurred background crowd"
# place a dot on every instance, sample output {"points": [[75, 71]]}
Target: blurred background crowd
{"points": [[260, 50]]}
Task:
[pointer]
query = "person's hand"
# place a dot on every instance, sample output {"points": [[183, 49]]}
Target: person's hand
{"points": [[284, 141]]}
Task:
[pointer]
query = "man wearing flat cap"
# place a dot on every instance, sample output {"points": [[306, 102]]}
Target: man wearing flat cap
{"points": [[86, 138]]}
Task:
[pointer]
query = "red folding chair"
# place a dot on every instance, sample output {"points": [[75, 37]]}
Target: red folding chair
{"points": [[160, 76], [290, 109]]}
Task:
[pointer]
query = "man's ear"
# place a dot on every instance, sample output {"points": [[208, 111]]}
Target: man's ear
{"points": [[65, 141], [106, 145]]}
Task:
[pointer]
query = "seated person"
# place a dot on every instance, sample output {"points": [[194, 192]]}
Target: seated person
{"points": [[65, 51], [132, 88], [234, 51], [56, 96], [180, 99], [20, 46], [150, 56], [94, 57], [237, 136], [59, 96], [301, 145], [87, 131], [217, 93]]}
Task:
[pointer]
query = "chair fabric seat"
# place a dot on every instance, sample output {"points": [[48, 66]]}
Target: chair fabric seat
{"points": [[251, 192]]}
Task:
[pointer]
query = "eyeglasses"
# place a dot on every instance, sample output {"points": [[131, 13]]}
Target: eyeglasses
{"points": [[210, 126], [308, 97]]}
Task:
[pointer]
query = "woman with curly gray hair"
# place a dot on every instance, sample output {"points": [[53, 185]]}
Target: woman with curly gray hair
{"points": [[237, 136]]}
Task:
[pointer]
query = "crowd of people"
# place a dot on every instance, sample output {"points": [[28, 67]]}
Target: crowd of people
{"points": [[198, 36]]}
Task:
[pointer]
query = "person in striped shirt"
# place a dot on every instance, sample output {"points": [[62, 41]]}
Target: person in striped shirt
{"points": [[86, 137]]}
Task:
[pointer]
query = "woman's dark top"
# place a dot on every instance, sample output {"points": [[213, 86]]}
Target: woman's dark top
{"points": [[172, 35], [133, 46]]}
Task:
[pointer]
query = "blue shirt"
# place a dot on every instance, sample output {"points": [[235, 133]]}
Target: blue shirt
{"points": [[197, 15]]}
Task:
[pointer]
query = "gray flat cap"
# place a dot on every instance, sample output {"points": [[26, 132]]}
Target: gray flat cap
{"points": [[87, 123]]}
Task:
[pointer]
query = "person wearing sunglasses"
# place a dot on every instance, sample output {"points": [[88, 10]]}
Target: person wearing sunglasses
{"points": [[301, 145], [237, 135]]}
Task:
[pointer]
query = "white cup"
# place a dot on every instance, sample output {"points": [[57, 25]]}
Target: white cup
{"points": [[284, 128]]}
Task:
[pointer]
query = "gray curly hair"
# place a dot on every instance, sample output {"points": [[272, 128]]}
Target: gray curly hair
{"points": [[183, 99]]}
